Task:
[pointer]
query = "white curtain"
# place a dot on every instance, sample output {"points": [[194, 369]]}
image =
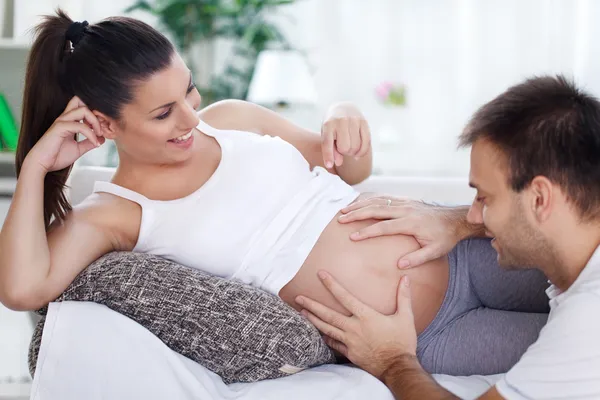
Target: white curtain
{"points": [[452, 55]]}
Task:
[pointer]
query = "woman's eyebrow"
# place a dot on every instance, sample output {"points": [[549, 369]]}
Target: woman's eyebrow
{"points": [[171, 103]]}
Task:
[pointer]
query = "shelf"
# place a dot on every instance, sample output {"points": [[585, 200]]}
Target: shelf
{"points": [[7, 157], [7, 186], [14, 44], [16, 391]]}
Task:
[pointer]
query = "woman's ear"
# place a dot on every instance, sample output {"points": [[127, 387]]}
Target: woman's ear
{"points": [[107, 125]]}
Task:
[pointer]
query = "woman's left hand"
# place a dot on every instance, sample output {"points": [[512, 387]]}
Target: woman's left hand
{"points": [[345, 132]]}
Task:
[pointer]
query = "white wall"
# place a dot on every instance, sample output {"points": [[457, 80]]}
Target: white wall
{"points": [[453, 55]]}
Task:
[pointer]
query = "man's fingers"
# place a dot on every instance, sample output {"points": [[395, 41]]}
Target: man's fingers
{"points": [[376, 200], [346, 299], [324, 327], [384, 228], [373, 212], [404, 305], [418, 257], [324, 313], [337, 345]]}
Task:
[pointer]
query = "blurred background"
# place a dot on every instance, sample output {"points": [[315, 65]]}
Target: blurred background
{"points": [[417, 68]]}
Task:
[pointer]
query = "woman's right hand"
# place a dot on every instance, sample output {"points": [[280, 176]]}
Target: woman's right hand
{"points": [[436, 229], [58, 147]]}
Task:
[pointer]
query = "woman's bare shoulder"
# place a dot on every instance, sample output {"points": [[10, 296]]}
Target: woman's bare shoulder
{"points": [[231, 114], [119, 218]]}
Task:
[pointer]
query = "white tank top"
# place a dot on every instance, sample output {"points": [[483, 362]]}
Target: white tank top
{"points": [[256, 219]]}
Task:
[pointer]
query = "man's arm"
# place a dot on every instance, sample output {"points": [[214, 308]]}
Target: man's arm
{"points": [[436, 228], [458, 218], [407, 380], [383, 345]]}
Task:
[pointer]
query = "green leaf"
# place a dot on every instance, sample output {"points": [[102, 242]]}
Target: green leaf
{"points": [[141, 5], [279, 2]]}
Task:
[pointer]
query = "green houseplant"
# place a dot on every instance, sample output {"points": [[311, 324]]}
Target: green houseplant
{"points": [[244, 22]]}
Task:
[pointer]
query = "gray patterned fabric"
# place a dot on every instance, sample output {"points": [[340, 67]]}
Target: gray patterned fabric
{"points": [[241, 333]]}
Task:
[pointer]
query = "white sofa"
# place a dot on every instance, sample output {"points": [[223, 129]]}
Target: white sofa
{"points": [[126, 361], [440, 190]]}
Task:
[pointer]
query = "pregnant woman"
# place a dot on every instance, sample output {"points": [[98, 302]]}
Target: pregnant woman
{"points": [[234, 190]]}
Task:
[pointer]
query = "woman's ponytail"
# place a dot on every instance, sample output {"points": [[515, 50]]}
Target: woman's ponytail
{"points": [[44, 99]]}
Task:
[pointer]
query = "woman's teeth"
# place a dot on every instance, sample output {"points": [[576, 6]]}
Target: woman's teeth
{"points": [[183, 138]]}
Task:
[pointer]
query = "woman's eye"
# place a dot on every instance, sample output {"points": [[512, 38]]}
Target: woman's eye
{"points": [[165, 115]]}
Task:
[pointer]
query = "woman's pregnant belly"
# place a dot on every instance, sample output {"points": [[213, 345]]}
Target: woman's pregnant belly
{"points": [[368, 269]]}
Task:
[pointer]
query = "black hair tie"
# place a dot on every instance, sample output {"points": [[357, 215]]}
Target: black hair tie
{"points": [[76, 31]]}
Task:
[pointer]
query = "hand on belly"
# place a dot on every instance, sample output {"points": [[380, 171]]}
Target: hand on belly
{"points": [[368, 269]]}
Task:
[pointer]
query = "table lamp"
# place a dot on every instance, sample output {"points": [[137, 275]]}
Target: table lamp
{"points": [[282, 79]]}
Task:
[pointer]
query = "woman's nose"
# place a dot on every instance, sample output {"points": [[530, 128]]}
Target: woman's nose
{"points": [[190, 116]]}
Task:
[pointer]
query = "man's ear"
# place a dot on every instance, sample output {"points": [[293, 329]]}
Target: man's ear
{"points": [[543, 197], [107, 125]]}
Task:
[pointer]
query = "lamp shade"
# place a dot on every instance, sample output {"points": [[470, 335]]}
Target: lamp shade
{"points": [[282, 76]]}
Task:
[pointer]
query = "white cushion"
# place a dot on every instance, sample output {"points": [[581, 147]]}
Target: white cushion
{"points": [[440, 190]]}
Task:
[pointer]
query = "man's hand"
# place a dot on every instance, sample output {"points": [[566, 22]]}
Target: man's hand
{"points": [[437, 229], [367, 338]]}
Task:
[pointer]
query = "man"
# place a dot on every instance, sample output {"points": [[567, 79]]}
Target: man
{"points": [[535, 162]]}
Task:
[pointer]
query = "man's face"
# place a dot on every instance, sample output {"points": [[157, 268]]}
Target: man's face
{"points": [[503, 211]]}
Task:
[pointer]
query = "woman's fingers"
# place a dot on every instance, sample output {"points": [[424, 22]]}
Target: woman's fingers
{"points": [[328, 145], [365, 137], [342, 138], [354, 136], [72, 128], [337, 157], [82, 113], [85, 145], [73, 104]]}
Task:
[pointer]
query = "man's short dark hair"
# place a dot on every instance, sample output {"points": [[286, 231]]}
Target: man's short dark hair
{"points": [[546, 126]]}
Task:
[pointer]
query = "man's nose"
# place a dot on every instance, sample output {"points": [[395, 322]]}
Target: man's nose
{"points": [[475, 214]]}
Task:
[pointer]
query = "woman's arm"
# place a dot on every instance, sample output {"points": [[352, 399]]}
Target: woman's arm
{"points": [[312, 145], [35, 266]]}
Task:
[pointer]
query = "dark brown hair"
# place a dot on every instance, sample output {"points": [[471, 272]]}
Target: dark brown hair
{"points": [[102, 69], [546, 126]]}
